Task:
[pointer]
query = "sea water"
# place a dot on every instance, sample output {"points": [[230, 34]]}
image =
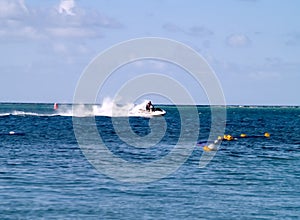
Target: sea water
{"points": [[44, 173]]}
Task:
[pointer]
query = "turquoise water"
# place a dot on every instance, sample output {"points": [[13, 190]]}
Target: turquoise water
{"points": [[45, 175]]}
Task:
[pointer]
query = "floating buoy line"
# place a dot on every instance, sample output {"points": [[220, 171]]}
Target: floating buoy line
{"points": [[227, 137]]}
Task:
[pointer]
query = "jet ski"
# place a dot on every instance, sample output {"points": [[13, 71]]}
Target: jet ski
{"points": [[152, 113]]}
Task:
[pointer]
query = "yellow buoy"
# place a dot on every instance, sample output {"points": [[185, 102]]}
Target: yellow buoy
{"points": [[243, 135], [267, 135], [228, 137], [205, 148], [210, 147]]}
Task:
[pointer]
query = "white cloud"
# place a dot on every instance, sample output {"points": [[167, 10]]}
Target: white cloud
{"points": [[12, 8], [264, 75], [66, 6], [200, 31], [172, 28], [62, 28], [238, 40], [19, 21], [83, 49], [23, 6], [67, 32], [21, 32], [293, 39], [60, 48], [196, 31]]}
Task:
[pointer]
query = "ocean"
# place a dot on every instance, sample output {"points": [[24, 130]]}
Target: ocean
{"points": [[46, 172]]}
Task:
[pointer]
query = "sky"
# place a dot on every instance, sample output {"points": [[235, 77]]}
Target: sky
{"points": [[253, 46]]}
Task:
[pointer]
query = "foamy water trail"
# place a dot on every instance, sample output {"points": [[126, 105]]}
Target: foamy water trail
{"points": [[108, 108], [24, 113]]}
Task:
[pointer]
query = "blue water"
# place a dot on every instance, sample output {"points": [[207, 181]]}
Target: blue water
{"points": [[45, 175]]}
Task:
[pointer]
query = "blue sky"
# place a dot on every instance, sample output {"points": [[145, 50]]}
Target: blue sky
{"points": [[252, 45]]}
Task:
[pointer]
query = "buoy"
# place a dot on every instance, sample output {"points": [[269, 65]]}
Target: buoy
{"points": [[210, 147], [205, 148], [228, 137], [55, 107], [267, 135], [243, 135]]}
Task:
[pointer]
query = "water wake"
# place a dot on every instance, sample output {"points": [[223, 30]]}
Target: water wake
{"points": [[108, 108]]}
